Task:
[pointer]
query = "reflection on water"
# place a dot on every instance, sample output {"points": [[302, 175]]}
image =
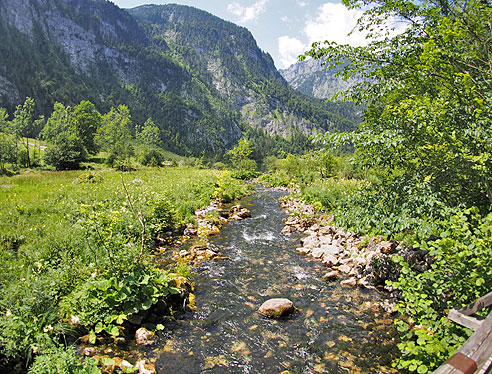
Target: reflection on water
{"points": [[334, 330]]}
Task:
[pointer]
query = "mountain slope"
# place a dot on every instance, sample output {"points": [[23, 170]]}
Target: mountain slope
{"points": [[313, 79], [203, 80]]}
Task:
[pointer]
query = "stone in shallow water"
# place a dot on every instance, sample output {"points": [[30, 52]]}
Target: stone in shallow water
{"points": [[277, 308]]}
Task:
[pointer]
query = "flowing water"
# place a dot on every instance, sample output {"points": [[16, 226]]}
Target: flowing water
{"points": [[334, 330]]}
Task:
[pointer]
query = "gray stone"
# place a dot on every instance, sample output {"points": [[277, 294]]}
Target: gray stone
{"points": [[344, 269], [331, 275], [277, 308], [304, 251], [325, 240], [332, 249], [144, 336], [326, 230], [310, 242], [351, 282], [330, 260]]}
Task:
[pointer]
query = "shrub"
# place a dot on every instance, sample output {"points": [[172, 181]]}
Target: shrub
{"points": [[62, 361], [460, 274], [152, 157]]}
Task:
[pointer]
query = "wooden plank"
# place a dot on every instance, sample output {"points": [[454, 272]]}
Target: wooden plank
{"points": [[478, 348], [464, 320], [477, 305]]}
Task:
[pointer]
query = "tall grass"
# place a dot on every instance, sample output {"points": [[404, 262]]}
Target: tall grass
{"points": [[57, 229]]}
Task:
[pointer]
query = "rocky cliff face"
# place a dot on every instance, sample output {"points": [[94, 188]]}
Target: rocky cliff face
{"points": [[311, 78], [203, 80]]}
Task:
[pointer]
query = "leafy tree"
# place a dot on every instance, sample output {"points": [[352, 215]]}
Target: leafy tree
{"points": [[87, 120], [7, 150], [149, 134], [66, 150], [429, 94], [23, 122], [428, 123], [239, 156], [4, 124], [114, 135]]}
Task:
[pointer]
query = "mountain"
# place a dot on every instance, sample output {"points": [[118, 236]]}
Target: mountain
{"points": [[203, 80], [312, 78]]}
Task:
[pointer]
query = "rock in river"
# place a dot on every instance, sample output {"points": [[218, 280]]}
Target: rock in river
{"points": [[144, 336], [277, 308]]}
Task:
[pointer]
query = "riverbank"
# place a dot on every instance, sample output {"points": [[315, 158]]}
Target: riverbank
{"points": [[350, 260], [76, 248], [329, 332]]}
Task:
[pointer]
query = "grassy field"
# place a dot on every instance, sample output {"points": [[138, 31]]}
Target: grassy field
{"points": [[59, 230]]}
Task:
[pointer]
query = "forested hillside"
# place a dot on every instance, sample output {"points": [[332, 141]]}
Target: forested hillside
{"points": [[202, 80]]}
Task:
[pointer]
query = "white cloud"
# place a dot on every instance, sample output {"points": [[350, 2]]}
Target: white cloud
{"points": [[301, 3], [289, 49], [245, 13], [335, 22], [285, 19]]}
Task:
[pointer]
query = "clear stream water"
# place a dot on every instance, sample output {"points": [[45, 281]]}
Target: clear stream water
{"points": [[334, 330]]}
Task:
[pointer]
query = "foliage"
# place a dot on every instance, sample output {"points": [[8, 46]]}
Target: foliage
{"points": [[70, 133], [460, 274], [42, 265], [23, 122], [67, 152], [59, 360], [114, 135], [294, 170], [104, 302], [150, 156], [397, 209], [331, 193], [429, 95], [427, 125], [7, 150], [87, 120], [162, 216], [229, 188], [239, 156], [149, 134]]}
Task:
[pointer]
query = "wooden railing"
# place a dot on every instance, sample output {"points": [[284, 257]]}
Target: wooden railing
{"points": [[475, 355]]}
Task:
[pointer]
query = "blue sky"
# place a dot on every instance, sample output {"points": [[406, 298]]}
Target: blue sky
{"points": [[283, 28]]}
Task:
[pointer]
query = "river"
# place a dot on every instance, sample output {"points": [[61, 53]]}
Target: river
{"points": [[334, 330]]}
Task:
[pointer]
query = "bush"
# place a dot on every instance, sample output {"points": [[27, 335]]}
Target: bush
{"points": [[460, 274], [162, 216], [229, 188], [67, 152], [62, 361], [152, 157], [104, 302], [331, 193]]}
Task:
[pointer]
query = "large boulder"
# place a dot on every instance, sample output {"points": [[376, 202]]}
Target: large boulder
{"points": [[277, 308]]}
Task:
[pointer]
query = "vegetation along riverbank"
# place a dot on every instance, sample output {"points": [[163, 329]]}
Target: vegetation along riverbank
{"points": [[77, 257]]}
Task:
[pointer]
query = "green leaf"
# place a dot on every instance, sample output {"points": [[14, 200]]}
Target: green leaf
{"points": [[120, 318], [173, 290], [159, 327], [114, 331], [99, 327], [422, 369], [92, 337], [146, 304], [128, 369], [107, 361]]}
